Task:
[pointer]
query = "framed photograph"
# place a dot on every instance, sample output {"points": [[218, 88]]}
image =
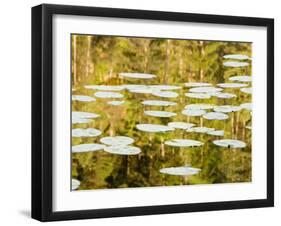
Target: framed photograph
{"points": [[146, 112]]}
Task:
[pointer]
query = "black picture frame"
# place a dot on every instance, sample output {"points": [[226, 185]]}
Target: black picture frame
{"points": [[42, 107]]}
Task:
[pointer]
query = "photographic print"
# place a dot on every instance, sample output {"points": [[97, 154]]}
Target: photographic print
{"points": [[159, 112]]}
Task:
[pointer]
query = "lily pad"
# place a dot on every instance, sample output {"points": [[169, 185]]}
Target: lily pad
{"points": [[90, 132], [224, 95], [108, 95], [183, 143], [199, 106], [144, 90], [80, 120], [166, 94], [104, 87], [81, 114], [205, 90], [200, 129], [180, 171], [137, 75], [215, 116], [246, 90], [198, 95], [246, 106], [116, 102], [134, 86], [227, 108], [164, 87], [228, 143], [181, 125], [216, 133], [232, 85], [161, 114], [236, 57], [154, 128], [82, 98], [123, 150], [241, 78], [158, 103], [75, 184], [87, 147], [117, 140], [235, 64], [197, 84], [193, 112]]}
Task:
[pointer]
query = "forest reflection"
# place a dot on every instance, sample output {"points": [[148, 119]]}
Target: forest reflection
{"points": [[108, 101]]}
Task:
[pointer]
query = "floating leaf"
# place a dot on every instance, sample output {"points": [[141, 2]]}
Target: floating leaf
{"points": [[216, 133], [164, 87], [83, 98], [75, 184], [154, 128], [227, 108], [181, 125], [242, 78], [236, 57], [224, 95], [199, 106], [198, 95], [166, 94], [246, 90], [137, 75], [205, 90], [183, 143], [200, 129], [193, 112], [161, 114], [235, 64], [117, 140], [180, 171], [197, 84], [158, 103], [83, 117], [108, 95], [246, 106], [215, 116], [104, 87], [228, 143], [123, 150], [90, 132], [87, 147], [116, 102]]}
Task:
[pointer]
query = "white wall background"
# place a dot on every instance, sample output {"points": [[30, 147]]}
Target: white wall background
{"points": [[15, 120]]}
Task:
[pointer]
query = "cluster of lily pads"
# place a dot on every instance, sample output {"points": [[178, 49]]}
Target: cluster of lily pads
{"points": [[122, 145]]}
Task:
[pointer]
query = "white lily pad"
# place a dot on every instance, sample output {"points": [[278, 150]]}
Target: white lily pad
{"points": [[89, 132], [180, 171], [75, 184], [183, 143], [235, 64], [236, 57], [83, 98], [246, 106], [248, 127], [205, 90], [228, 143], [246, 90], [166, 94], [116, 102], [123, 150], [164, 87], [161, 114], [200, 129], [154, 128], [181, 125], [199, 106], [104, 87], [197, 84], [198, 95], [227, 108], [108, 95], [117, 140], [87, 147], [224, 95], [137, 75], [80, 120], [144, 90], [241, 78], [232, 85], [83, 117], [193, 112], [134, 86], [158, 103], [216, 133], [215, 116]]}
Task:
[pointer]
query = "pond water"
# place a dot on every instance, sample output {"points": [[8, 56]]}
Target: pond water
{"points": [[134, 140]]}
